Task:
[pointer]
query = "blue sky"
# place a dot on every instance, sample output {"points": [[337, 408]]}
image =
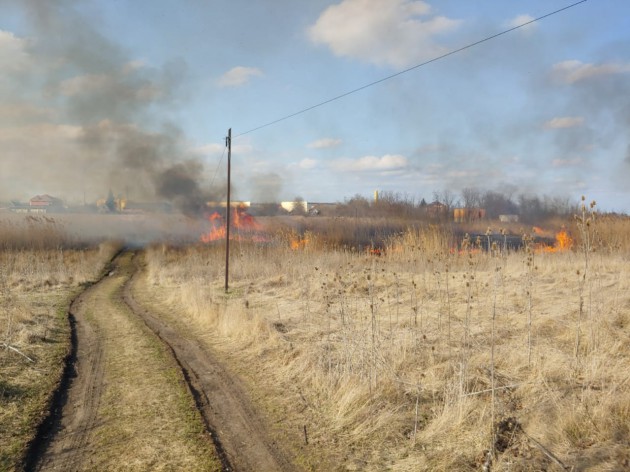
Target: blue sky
{"points": [[138, 96]]}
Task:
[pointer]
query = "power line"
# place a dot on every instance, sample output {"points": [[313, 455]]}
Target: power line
{"points": [[218, 165], [435, 59]]}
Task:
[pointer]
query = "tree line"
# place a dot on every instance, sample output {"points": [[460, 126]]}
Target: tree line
{"points": [[528, 208]]}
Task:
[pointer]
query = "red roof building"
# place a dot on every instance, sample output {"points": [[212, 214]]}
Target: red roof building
{"points": [[45, 201]]}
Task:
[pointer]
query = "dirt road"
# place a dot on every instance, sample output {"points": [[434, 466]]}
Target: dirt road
{"points": [[141, 395]]}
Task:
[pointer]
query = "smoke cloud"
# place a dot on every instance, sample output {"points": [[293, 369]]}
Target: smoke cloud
{"points": [[81, 116], [266, 187]]}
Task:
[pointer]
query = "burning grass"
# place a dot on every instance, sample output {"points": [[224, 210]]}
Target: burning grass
{"points": [[422, 358]]}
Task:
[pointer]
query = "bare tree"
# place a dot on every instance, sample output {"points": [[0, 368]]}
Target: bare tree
{"points": [[358, 206], [446, 197], [471, 198]]}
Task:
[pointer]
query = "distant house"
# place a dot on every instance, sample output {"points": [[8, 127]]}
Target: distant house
{"points": [[45, 201], [40, 204]]}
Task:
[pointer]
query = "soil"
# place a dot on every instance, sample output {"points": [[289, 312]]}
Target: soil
{"points": [[238, 431], [62, 445]]}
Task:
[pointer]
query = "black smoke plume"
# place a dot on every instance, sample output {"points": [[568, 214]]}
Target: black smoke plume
{"points": [[93, 117]]}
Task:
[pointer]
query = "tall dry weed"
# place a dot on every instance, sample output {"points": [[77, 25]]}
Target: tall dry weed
{"points": [[36, 285], [425, 351]]}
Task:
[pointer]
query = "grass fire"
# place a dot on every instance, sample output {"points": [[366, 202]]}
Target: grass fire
{"points": [[385, 265], [387, 341]]}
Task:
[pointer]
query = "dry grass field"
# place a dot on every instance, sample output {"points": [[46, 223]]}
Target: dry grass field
{"points": [[425, 357], [41, 269], [44, 264], [421, 355]]}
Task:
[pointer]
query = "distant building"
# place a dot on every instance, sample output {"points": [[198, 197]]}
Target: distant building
{"points": [[39, 204], [118, 204], [291, 207], [233, 204], [45, 201], [508, 218], [461, 215]]}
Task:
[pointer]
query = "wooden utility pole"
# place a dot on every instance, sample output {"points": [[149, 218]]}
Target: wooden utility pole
{"points": [[228, 143]]}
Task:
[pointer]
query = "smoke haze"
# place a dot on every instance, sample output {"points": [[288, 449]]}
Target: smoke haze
{"points": [[83, 117], [98, 94]]}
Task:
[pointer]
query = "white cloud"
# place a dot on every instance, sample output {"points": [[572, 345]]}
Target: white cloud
{"points": [[307, 163], [381, 32], [520, 20], [238, 76], [210, 149], [574, 71], [564, 122], [325, 143], [13, 56], [388, 162], [242, 149]]}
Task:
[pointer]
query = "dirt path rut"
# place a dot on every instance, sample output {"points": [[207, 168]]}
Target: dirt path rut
{"points": [[140, 395], [63, 450], [239, 432]]}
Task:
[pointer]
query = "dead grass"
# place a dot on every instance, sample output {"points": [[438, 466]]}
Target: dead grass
{"points": [[35, 288], [387, 360]]}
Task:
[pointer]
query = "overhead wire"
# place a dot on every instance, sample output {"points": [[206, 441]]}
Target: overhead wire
{"points": [[435, 59], [218, 166]]}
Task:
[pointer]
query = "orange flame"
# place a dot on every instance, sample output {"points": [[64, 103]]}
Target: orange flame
{"points": [[563, 242], [244, 221], [298, 242], [217, 229], [375, 251], [245, 226]]}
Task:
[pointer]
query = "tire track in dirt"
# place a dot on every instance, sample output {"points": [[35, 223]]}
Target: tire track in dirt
{"points": [[98, 420], [67, 441], [69, 448], [238, 431], [62, 438]]}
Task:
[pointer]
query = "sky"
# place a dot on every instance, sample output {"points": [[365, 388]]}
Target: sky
{"points": [[138, 97]]}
